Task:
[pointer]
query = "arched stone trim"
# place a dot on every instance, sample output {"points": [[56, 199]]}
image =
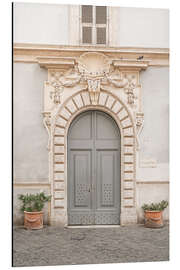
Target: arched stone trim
{"points": [[73, 106]]}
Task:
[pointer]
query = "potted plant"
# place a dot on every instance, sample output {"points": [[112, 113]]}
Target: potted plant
{"points": [[153, 214], [32, 207]]}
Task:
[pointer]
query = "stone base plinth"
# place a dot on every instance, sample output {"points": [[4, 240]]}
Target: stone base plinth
{"points": [[59, 219], [128, 216]]}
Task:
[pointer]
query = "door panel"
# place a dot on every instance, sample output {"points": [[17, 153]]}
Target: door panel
{"points": [[105, 176], [93, 170], [82, 144], [80, 195], [106, 144], [107, 188], [79, 132], [82, 179], [106, 127]]}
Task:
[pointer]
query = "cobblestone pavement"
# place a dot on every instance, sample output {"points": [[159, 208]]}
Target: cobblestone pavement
{"points": [[55, 246]]}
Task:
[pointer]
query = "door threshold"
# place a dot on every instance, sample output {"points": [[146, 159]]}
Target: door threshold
{"points": [[92, 226]]}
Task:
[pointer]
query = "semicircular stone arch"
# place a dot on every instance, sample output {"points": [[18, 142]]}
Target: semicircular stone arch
{"points": [[73, 106]]}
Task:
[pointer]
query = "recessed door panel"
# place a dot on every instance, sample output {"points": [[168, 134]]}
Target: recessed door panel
{"points": [[82, 179], [105, 176], [107, 187], [106, 127], [82, 128], [93, 170]]}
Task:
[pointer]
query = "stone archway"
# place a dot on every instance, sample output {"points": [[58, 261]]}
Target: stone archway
{"points": [[76, 104]]}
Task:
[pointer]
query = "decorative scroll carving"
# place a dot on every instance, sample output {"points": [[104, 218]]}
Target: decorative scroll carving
{"points": [[121, 84], [71, 77], [59, 80], [139, 126], [47, 125], [115, 77], [93, 69], [121, 80]]}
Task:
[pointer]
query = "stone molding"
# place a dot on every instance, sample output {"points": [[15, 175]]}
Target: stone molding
{"points": [[34, 53], [74, 105], [93, 71], [31, 184], [96, 82], [148, 182], [46, 184]]}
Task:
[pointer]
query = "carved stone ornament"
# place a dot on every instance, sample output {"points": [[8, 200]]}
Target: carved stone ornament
{"points": [[47, 125], [58, 88], [95, 78], [127, 82], [116, 78], [56, 94], [129, 90], [59, 80], [139, 126], [93, 70], [93, 67], [94, 89]]}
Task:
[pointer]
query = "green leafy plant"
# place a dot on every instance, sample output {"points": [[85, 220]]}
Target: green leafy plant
{"points": [[155, 206], [33, 202]]}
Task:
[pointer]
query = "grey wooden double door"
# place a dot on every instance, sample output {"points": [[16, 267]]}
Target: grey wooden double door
{"points": [[93, 170]]}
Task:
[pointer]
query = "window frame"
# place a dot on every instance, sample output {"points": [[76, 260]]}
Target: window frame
{"points": [[94, 28]]}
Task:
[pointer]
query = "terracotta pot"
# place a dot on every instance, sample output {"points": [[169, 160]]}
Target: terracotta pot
{"points": [[153, 219], [33, 220]]}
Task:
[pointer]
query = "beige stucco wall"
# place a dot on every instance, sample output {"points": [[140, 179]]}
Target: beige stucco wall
{"points": [[30, 136], [140, 27], [52, 24], [155, 134], [154, 140], [40, 23]]}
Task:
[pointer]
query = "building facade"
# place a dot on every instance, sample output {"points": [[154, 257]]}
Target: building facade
{"points": [[91, 111]]}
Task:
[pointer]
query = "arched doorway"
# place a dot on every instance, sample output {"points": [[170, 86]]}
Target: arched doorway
{"points": [[72, 107], [93, 170]]}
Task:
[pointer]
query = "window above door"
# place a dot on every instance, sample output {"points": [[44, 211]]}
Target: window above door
{"points": [[93, 25]]}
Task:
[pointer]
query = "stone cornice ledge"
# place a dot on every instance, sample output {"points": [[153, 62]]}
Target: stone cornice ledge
{"points": [[31, 184], [32, 53], [56, 62], [67, 62], [128, 63], [152, 182]]}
